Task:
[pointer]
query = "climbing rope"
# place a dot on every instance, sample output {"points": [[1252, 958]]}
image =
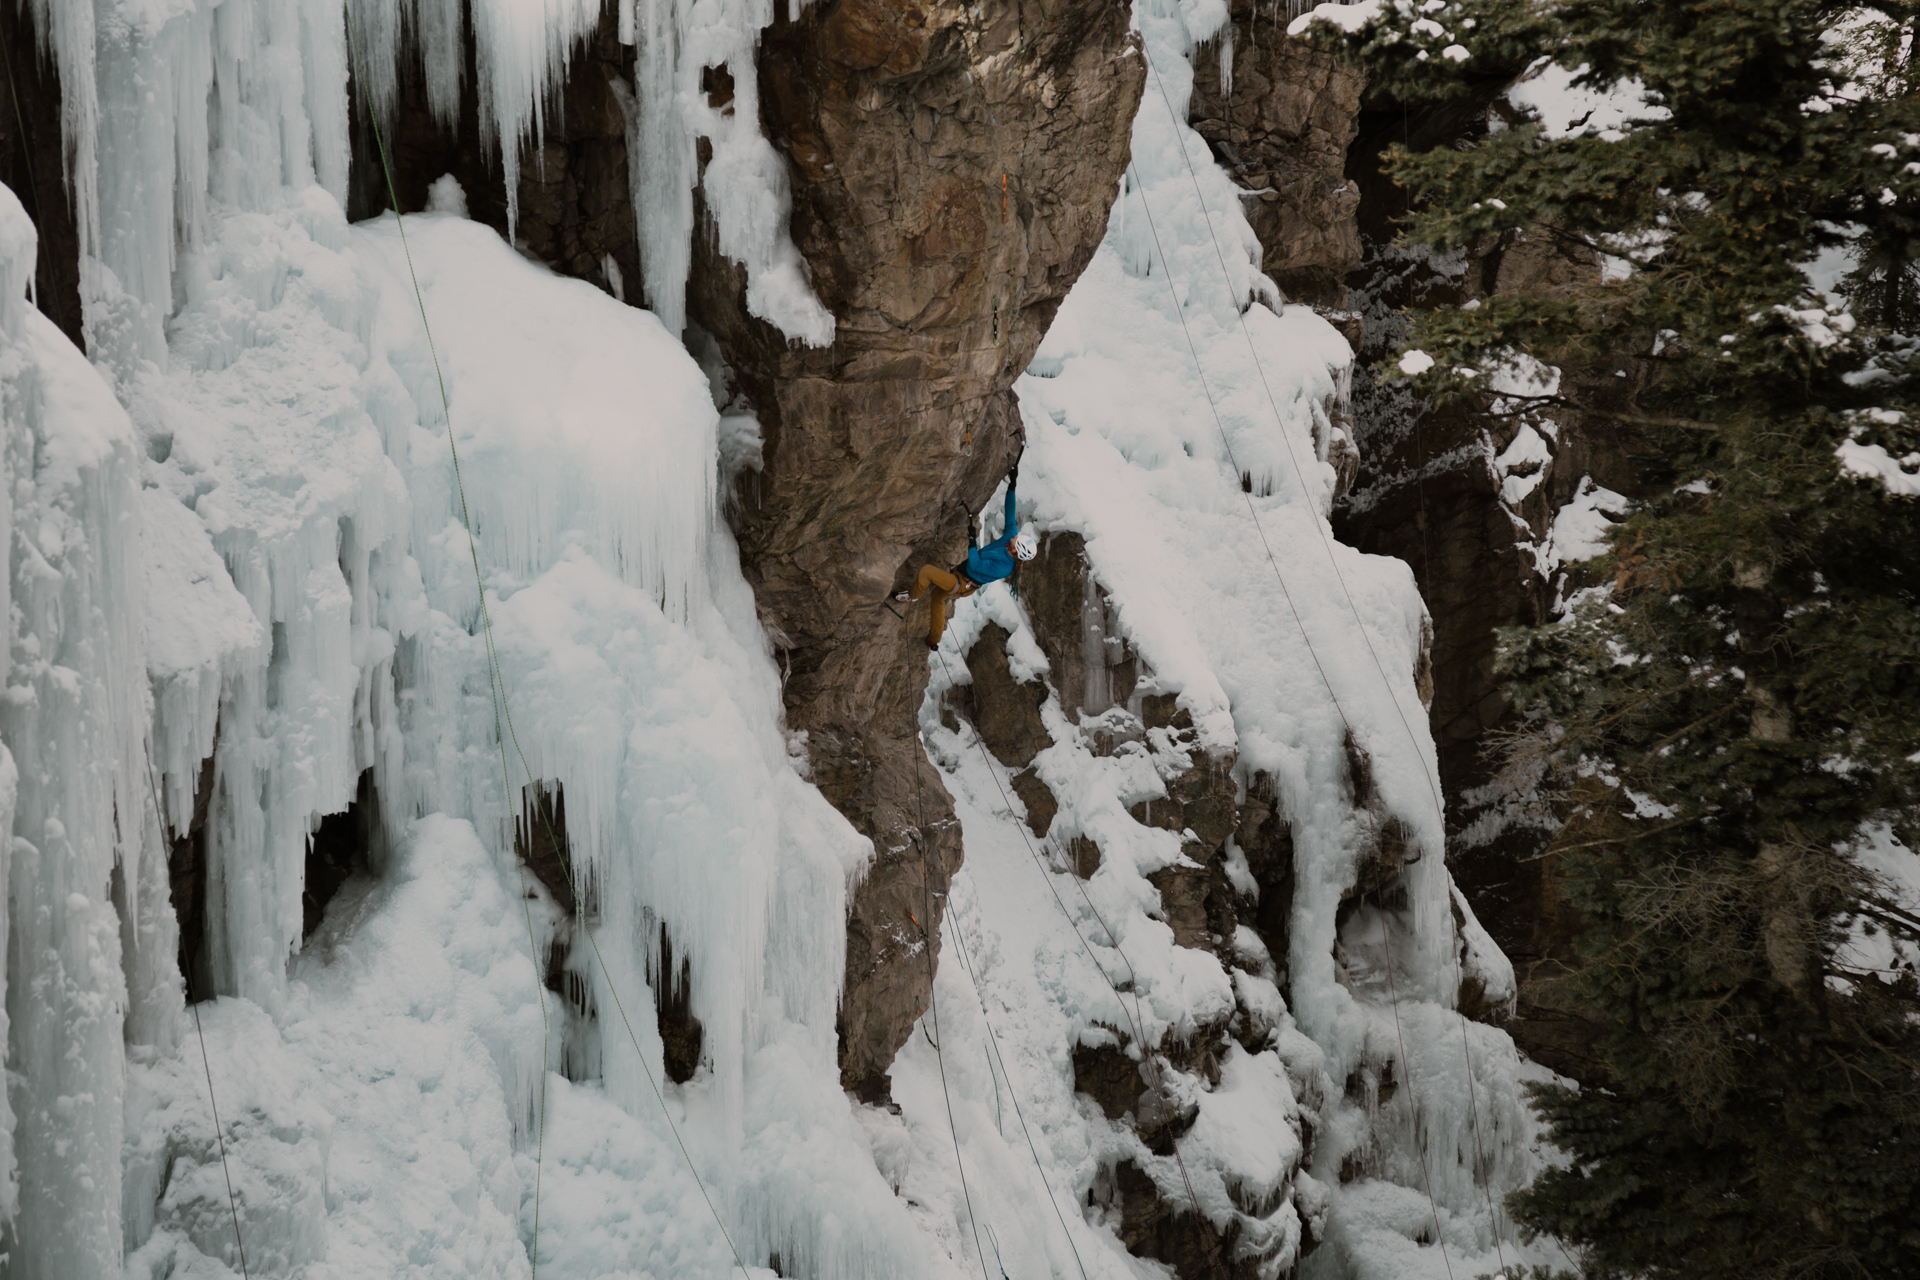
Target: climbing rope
{"points": [[495, 690], [1393, 1002], [503, 715], [1325, 534], [1135, 1018], [959, 937], [220, 1137], [933, 1005], [206, 1065], [994, 1039]]}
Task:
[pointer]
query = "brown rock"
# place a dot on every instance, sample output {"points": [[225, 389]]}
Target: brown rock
{"points": [[1107, 1075], [1085, 856], [1004, 710], [1266, 840], [681, 1035], [1283, 131], [33, 163], [540, 837], [1183, 897], [575, 203], [1172, 1230], [1161, 711], [1034, 794], [1206, 794], [950, 182], [890, 955], [1162, 815], [187, 886]]}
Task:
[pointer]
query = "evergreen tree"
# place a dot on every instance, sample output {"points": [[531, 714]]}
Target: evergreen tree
{"points": [[1737, 707]]}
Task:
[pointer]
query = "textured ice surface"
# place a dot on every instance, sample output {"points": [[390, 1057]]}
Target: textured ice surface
{"points": [[71, 718], [1280, 642], [260, 550]]}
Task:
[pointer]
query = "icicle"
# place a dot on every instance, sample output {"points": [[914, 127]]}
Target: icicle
{"points": [[75, 710]]}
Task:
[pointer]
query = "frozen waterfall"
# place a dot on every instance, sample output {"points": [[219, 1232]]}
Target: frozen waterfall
{"points": [[247, 593]]}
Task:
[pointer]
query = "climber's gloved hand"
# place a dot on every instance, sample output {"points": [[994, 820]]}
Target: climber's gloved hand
{"points": [[1013, 475]]}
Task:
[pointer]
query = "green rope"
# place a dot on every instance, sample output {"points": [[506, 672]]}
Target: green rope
{"points": [[503, 713], [494, 690]]}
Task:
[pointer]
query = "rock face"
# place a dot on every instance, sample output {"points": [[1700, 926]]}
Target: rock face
{"points": [[952, 167], [1279, 121]]}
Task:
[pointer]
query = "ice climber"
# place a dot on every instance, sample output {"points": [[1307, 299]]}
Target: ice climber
{"points": [[997, 560]]}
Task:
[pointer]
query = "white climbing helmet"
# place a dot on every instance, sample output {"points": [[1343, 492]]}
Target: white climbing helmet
{"points": [[1026, 546]]}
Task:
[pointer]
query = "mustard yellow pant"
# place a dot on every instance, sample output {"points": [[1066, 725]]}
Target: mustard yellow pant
{"points": [[944, 586]]}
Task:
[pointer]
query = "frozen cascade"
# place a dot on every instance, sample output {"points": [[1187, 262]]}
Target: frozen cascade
{"points": [[254, 97], [248, 499], [296, 529], [746, 180], [1124, 450], [72, 719]]}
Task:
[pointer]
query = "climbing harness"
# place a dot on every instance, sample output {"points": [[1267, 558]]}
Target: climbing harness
{"points": [[1325, 538], [503, 716]]}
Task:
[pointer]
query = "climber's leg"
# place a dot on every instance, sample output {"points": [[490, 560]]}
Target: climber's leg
{"points": [[943, 605], [934, 576], [936, 583]]}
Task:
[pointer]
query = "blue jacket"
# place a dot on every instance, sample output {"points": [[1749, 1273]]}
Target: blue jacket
{"points": [[995, 560]]}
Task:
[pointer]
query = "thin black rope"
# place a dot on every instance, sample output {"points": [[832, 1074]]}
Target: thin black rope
{"points": [[206, 1065], [933, 1009], [1393, 1001], [1413, 1101], [220, 1137], [1179, 311], [1321, 528], [503, 711], [1426, 565], [1136, 1018], [993, 1039]]}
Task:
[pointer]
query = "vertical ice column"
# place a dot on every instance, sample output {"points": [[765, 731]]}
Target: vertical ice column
{"points": [[661, 163], [19, 246], [66, 29], [73, 713], [522, 54], [745, 183]]}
